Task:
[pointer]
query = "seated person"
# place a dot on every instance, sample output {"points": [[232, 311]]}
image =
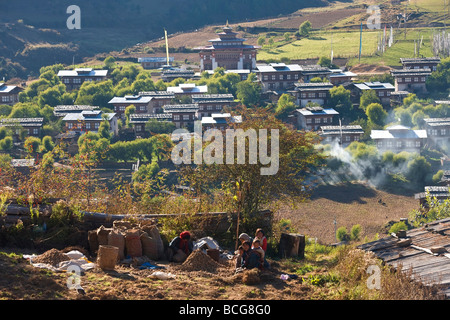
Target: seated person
{"points": [[251, 258], [262, 238], [257, 247], [180, 247]]}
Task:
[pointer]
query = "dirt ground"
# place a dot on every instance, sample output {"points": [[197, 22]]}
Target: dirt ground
{"points": [[20, 280]]}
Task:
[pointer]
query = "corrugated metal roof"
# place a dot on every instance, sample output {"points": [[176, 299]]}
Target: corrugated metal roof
{"points": [[82, 72], [428, 267]]}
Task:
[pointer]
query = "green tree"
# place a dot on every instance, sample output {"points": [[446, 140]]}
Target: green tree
{"points": [[51, 96], [104, 130], [287, 36], [439, 81], [261, 40], [418, 119], [325, 62], [285, 105], [340, 100], [47, 144], [32, 145], [248, 91], [159, 127], [404, 117], [131, 109], [305, 28], [271, 42], [417, 170], [95, 93], [368, 97], [110, 62], [376, 114], [6, 143]]}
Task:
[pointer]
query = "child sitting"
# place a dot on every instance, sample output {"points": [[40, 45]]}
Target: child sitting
{"points": [[257, 247]]}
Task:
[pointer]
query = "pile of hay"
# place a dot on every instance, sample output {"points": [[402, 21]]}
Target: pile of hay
{"points": [[199, 261], [52, 257]]}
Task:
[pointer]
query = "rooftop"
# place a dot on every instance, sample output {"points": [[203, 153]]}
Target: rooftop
{"points": [[188, 88], [374, 86], [398, 132], [24, 122], [411, 72], [85, 72], [310, 111], [131, 99], [331, 130], [176, 108], [154, 59], [95, 115], [427, 253], [278, 67]]}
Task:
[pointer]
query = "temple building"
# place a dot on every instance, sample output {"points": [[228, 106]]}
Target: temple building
{"points": [[228, 52]]}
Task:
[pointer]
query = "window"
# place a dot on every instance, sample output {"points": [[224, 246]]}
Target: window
{"points": [[407, 79], [121, 108], [209, 107], [325, 120], [409, 144], [281, 77], [356, 138], [347, 138], [311, 95], [317, 120], [266, 77], [304, 95], [416, 79], [69, 125], [273, 77], [380, 144], [185, 117], [288, 77], [35, 131], [218, 107], [88, 126], [96, 125], [389, 144], [443, 132], [296, 76], [399, 144], [5, 99], [76, 80], [138, 128], [309, 120], [381, 94], [65, 80], [322, 95], [423, 79], [176, 117], [388, 93], [417, 144], [434, 132]]}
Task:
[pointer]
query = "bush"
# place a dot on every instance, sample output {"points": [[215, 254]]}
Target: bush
{"points": [[342, 234], [355, 232], [396, 227]]}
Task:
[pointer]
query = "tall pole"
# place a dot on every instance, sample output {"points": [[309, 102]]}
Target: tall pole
{"points": [[167, 47], [360, 42]]}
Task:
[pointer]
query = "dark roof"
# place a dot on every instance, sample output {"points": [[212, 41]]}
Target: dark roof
{"points": [[411, 72], [24, 122], [175, 108], [428, 267], [142, 118], [332, 130]]}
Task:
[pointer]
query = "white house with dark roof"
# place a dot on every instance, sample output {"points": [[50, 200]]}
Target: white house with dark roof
{"points": [[90, 121], [306, 93], [383, 90], [33, 126], [9, 94], [73, 79], [183, 115], [312, 118], [220, 121], [420, 63], [411, 80], [438, 131], [344, 135], [142, 104], [212, 103], [314, 71], [399, 138], [278, 76], [154, 62]]}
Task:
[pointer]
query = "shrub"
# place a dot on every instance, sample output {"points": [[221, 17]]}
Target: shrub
{"points": [[355, 232], [396, 227], [342, 234]]}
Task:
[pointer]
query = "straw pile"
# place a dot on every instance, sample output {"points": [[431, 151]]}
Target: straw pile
{"points": [[52, 257], [199, 261]]}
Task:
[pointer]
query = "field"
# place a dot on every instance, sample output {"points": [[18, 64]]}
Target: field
{"points": [[345, 45], [349, 204]]}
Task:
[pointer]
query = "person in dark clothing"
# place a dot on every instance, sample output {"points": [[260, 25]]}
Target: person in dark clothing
{"points": [[250, 258], [180, 247]]}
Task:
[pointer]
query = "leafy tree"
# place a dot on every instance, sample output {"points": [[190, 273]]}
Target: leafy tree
{"points": [[110, 62], [317, 80], [6, 143], [305, 28], [340, 100], [248, 91], [261, 40], [5, 110], [104, 130], [32, 144], [438, 176], [51, 96], [325, 62], [355, 232], [404, 117], [287, 36], [285, 105], [418, 119], [47, 144], [418, 170], [342, 234], [368, 97], [131, 109], [376, 114], [159, 127], [95, 93], [25, 110], [271, 42], [439, 81]]}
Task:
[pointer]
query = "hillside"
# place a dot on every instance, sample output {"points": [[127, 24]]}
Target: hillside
{"points": [[34, 34]]}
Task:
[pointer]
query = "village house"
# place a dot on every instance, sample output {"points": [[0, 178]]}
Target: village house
{"points": [[438, 131], [32, 126], [343, 135], [142, 104], [9, 95], [411, 80], [73, 79], [220, 121], [338, 77], [312, 118], [183, 115], [420, 63], [138, 121], [149, 63], [306, 93], [90, 121], [61, 110], [314, 71], [228, 52], [278, 76], [399, 138], [212, 103], [187, 89], [382, 90], [159, 99]]}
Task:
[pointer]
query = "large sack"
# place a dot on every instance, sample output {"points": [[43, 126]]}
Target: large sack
{"points": [[149, 246], [154, 233], [93, 241], [107, 257], [116, 239], [180, 256], [102, 235], [133, 243]]}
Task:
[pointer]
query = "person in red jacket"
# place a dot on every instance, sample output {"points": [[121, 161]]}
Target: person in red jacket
{"points": [[262, 238]]}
